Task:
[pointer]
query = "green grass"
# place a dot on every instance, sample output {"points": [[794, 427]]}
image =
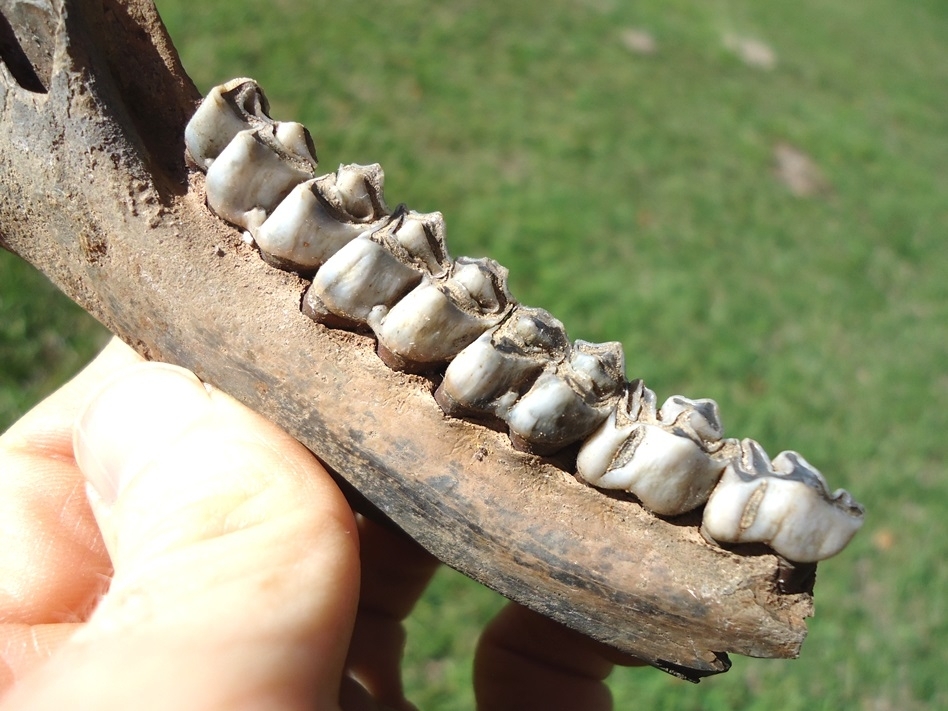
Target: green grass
{"points": [[635, 197]]}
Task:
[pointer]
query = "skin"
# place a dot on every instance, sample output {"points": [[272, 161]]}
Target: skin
{"points": [[165, 547]]}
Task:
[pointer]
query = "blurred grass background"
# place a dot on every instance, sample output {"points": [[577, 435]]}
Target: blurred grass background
{"points": [[752, 197]]}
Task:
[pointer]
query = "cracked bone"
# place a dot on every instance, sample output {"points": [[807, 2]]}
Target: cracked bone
{"points": [[433, 322], [486, 378], [253, 174], [785, 504], [569, 399], [321, 215], [670, 459], [375, 270]]}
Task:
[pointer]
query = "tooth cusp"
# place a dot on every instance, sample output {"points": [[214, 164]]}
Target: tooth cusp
{"points": [[784, 504], [487, 377], [647, 453], [372, 272], [569, 399], [320, 216], [441, 316]]}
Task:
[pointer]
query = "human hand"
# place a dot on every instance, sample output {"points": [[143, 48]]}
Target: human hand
{"points": [[165, 547]]}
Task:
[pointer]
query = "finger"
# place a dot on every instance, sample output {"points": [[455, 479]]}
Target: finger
{"points": [[395, 573], [236, 559], [52, 561], [526, 661]]}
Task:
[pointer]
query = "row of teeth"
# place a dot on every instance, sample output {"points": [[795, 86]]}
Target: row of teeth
{"points": [[503, 364]]}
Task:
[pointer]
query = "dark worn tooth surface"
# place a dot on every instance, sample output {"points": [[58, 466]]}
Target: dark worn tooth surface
{"points": [[441, 316], [569, 400], [252, 175], [372, 272], [489, 376], [322, 215], [785, 504], [670, 459]]}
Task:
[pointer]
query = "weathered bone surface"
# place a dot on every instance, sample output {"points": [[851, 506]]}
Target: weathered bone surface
{"points": [[94, 190]]}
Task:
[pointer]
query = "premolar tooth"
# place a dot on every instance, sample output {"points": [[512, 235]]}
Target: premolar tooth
{"points": [[252, 175], [785, 504], [227, 109], [569, 400], [373, 271], [489, 375], [320, 216], [439, 317], [664, 459]]}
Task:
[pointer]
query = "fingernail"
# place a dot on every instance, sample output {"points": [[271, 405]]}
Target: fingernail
{"points": [[131, 420]]}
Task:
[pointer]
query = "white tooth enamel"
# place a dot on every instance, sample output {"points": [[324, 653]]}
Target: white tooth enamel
{"points": [[296, 140], [439, 317], [486, 378], [786, 505], [665, 466], [251, 176], [373, 271], [569, 400], [228, 109], [312, 223], [701, 417]]}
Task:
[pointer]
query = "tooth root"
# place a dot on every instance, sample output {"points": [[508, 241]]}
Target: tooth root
{"points": [[784, 504], [440, 317], [666, 466], [372, 272], [569, 400], [251, 176], [314, 221], [489, 375], [227, 109]]}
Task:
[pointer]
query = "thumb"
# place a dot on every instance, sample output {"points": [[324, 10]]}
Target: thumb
{"points": [[235, 556]]}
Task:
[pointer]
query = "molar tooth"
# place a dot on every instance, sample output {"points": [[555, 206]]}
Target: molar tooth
{"points": [[252, 175], [486, 378], [701, 417], [669, 468], [569, 399], [785, 504], [440, 316], [320, 216], [376, 269], [227, 109]]}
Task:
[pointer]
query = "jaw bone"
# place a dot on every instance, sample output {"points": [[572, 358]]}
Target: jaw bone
{"points": [[785, 504], [508, 363]]}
